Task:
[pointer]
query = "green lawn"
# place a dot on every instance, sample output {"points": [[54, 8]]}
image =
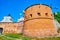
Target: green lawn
{"points": [[21, 37]]}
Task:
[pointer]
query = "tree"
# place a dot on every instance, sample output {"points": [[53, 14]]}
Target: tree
{"points": [[57, 16]]}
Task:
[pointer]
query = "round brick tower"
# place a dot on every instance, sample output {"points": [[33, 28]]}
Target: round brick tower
{"points": [[39, 21]]}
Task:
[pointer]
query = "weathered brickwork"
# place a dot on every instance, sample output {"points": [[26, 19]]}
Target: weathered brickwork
{"points": [[39, 21], [10, 27]]}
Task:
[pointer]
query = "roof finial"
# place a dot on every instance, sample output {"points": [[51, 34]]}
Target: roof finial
{"points": [[9, 14]]}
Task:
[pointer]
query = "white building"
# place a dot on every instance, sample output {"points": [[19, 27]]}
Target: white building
{"points": [[21, 19], [7, 19]]}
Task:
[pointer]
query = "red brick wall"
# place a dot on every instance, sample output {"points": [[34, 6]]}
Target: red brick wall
{"points": [[12, 27], [39, 25]]}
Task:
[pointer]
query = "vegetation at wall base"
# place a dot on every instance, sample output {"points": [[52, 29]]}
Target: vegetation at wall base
{"points": [[21, 37]]}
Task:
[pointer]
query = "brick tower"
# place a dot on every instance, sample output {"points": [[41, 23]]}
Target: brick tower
{"points": [[39, 21]]}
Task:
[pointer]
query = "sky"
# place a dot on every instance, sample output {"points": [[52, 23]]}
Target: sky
{"points": [[16, 7]]}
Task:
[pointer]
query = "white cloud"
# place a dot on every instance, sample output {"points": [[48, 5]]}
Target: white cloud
{"points": [[23, 11], [20, 14]]}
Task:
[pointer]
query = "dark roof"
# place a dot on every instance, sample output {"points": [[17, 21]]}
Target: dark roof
{"points": [[9, 15], [38, 4]]}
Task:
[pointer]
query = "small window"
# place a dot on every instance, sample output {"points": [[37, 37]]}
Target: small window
{"points": [[38, 14], [52, 15], [46, 14], [31, 15]]}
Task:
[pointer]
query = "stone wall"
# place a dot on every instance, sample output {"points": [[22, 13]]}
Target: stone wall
{"points": [[10, 27]]}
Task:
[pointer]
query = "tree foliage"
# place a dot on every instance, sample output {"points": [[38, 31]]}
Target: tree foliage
{"points": [[57, 16]]}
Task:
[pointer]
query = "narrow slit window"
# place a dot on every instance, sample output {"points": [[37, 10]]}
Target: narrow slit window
{"points": [[38, 14], [31, 15]]}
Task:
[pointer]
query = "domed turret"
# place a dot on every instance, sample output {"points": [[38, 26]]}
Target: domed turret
{"points": [[39, 21]]}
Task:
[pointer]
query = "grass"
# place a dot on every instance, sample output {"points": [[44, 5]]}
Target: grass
{"points": [[21, 37], [53, 38], [13, 37]]}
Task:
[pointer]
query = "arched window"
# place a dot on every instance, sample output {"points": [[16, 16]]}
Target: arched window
{"points": [[51, 14], [39, 14], [31, 15], [46, 14]]}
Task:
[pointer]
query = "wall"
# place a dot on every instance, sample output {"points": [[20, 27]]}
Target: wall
{"points": [[39, 21], [10, 27]]}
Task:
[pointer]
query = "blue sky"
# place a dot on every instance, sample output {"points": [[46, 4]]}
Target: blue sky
{"points": [[16, 7]]}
